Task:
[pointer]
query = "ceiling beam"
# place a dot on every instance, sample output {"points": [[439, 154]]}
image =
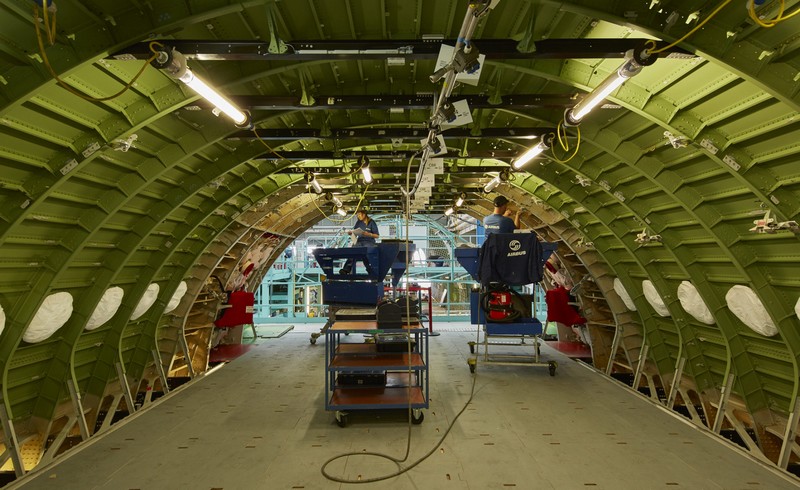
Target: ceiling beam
{"points": [[381, 154], [371, 102], [391, 133], [416, 49]]}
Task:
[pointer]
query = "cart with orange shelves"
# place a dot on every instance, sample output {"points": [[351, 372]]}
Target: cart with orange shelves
{"points": [[392, 380]]}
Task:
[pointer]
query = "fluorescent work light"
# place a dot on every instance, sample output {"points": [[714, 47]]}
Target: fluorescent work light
{"points": [[174, 64], [634, 62]]}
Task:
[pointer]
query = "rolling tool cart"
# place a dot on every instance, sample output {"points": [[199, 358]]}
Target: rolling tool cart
{"points": [[389, 373]]}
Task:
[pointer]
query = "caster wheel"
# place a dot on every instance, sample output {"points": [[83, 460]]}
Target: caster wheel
{"points": [[472, 363], [312, 340], [417, 417], [341, 419], [552, 367], [471, 347]]}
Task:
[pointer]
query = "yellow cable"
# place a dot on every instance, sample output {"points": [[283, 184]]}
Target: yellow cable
{"points": [[575, 152], [50, 27], [698, 26], [751, 8], [69, 87]]}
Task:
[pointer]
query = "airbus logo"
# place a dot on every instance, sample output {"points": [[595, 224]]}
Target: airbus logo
{"points": [[514, 245]]}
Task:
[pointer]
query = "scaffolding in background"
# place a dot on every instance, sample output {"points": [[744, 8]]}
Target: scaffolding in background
{"points": [[292, 287]]}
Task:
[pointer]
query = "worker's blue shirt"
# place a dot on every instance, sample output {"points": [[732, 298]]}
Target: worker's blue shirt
{"points": [[372, 227], [497, 223]]}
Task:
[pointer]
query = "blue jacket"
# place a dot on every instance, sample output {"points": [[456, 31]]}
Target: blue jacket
{"points": [[514, 259]]}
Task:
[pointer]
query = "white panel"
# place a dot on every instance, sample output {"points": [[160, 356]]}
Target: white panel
{"points": [[52, 315], [106, 308], [2, 319], [744, 303], [146, 302], [176, 298], [693, 304], [652, 297], [796, 310], [623, 294]]}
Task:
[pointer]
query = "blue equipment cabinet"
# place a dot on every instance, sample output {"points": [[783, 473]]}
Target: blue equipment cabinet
{"points": [[361, 288]]}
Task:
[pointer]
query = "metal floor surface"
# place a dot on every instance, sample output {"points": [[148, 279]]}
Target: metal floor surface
{"points": [[260, 423]]}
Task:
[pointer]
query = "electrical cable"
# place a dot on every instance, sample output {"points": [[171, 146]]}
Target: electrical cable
{"points": [[395, 460], [751, 9], [696, 28], [398, 461], [565, 143], [64, 84]]}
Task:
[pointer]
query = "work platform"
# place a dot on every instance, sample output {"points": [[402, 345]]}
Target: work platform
{"points": [[258, 423]]}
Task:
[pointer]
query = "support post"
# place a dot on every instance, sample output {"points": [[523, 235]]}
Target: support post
{"points": [[12, 445], [640, 366], [126, 389], [160, 369], [77, 404], [185, 349], [676, 381], [789, 435], [614, 347], [723, 402]]}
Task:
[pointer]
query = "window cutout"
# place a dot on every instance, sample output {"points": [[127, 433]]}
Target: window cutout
{"points": [[176, 298], [796, 310], [2, 320], [652, 297], [106, 308], [693, 304], [148, 298], [52, 315], [744, 303], [623, 294]]}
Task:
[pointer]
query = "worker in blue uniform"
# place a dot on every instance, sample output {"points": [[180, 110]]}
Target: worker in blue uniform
{"points": [[367, 231], [500, 220]]}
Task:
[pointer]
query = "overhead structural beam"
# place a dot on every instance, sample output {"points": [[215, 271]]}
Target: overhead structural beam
{"points": [[370, 102], [390, 133], [409, 49], [378, 155]]}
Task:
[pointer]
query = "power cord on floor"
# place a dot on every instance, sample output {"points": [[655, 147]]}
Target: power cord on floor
{"points": [[409, 373], [397, 461]]}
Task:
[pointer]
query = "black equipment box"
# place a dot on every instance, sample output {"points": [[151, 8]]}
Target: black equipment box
{"points": [[393, 342], [365, 378], [389, 315]]}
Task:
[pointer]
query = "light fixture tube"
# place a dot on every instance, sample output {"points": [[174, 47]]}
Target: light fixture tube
{"points": [[492, 184], [367, 174], [530, 155], [337, 201], [213, 96], [449, 211], [628, 69], [460, 200], [314, 183], [340, 211]]}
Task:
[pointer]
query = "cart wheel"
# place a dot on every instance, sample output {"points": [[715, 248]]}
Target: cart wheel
{"points": [[552, 365], [341, 419], [471, 347], [472, 362], [417, 416]]}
